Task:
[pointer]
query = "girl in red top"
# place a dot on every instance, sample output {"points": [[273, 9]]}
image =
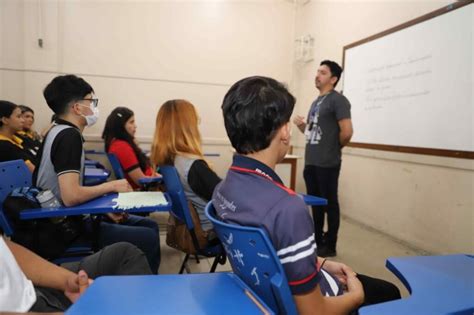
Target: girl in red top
{"points": [[119, 138]]}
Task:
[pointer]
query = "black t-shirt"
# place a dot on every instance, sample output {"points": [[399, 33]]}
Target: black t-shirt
{"points": [[202, 179], [10, 152], [29, 144], [66, 151]]}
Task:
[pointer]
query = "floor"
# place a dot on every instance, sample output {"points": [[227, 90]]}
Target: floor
{"points": [[362, 248]]}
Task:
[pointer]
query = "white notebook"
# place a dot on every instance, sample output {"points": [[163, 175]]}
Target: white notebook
{"points": [[139, 199]]}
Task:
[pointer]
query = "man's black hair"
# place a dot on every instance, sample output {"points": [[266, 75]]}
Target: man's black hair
{"points": [[254, 109], [63, 90], [335, 69]]}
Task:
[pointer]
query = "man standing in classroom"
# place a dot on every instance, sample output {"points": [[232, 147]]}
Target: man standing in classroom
{"points": [[327, 129]]}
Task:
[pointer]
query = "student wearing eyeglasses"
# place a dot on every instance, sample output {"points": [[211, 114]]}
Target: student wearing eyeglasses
{"points": [[61, 165]]}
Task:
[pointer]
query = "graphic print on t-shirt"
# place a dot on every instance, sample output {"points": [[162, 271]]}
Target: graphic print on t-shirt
{"points": [[313, 131]]}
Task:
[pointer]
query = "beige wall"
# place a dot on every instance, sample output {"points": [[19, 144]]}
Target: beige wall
{"points": [[424, 201], [141, 53]]}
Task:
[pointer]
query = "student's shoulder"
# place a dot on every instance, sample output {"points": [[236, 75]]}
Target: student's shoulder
{"points": [[68, 133], [5, 144], [67, 138], [338, 97], [289, 204], [118, 144]]}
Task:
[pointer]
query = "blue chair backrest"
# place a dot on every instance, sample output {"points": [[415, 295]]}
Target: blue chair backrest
{"points": [[254, 260], [13, 174], [175, 190], [116, 167]]}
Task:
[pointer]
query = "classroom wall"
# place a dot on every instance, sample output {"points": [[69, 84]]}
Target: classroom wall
{"points": [[141, 53], [424, 201]]}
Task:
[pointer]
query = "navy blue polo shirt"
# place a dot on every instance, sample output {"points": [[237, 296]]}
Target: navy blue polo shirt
{"points": [[252, 194]]}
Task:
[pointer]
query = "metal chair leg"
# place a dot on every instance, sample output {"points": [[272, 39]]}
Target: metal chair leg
{"points": [[217, 260], [184, 263], [197, 258]]}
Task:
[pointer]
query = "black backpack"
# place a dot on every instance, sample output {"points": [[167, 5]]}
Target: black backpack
{"points": [[47, 237]]}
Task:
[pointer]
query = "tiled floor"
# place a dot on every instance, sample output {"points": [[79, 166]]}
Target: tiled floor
{"points": [[361, 248]]}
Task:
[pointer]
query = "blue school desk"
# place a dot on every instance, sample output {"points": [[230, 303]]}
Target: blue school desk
{"points": [[94, 176], [438, 285], [313, 200], [211, 293], [102, 204]]}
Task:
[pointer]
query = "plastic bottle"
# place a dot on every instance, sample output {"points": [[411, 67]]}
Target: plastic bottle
{"points": [[47, 199]]}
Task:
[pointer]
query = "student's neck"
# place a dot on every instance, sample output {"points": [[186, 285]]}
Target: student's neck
{"points": [[7, 132], [326, 90], [75, 120], [266, 157]]}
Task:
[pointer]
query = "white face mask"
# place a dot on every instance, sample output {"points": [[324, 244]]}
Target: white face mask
{"points": [[92, 119]]}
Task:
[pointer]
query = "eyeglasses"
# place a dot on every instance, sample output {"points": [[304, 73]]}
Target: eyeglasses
{"points": [[94, 101]]}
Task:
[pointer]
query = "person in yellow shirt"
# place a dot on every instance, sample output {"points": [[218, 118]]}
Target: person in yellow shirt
{"points": [[31, 139], [11, 146]]}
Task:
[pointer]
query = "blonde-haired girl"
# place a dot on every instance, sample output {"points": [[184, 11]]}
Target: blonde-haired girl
{"points": [[177, 141]]}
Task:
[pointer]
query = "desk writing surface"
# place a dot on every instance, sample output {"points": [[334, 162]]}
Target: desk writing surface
{"points": [[313, 200], [96, 173], [438, 285], [98, 205], [212, 293]]}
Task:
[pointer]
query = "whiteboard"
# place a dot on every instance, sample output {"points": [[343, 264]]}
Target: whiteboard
{"points": [[411, 86]]}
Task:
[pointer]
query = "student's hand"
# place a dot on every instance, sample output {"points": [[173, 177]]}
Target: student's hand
{"points": [[299, 121], [354, 286], [76, 285], [121, 185], [117, 217], [338, 270]]}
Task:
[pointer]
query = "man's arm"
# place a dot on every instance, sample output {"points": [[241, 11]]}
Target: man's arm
{"points": [[41, 272], [315, 303], [137, 174], [45, 274], [346, 131], [72, 193], [299, 121]]}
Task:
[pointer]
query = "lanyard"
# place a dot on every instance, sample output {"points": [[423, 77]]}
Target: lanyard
{"points": [[315, 109], [262, 174]]}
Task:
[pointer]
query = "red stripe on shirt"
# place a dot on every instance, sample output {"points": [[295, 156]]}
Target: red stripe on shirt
{"points": [[246, 170], [304, 280]]}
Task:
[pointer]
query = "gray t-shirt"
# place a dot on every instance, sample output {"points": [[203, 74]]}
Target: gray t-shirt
{"points": [[322, 129]]}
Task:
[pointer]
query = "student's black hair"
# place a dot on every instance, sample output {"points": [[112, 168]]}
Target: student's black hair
{"points": [[6, 109], [63, 90], [115, 129], [254, 109], [25, 109], [334, 67]]}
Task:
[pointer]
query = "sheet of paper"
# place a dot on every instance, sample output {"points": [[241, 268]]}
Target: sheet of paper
{"points": [[139, 199]]}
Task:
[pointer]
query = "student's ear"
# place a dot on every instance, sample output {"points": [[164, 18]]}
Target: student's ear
{"points": [[75, 108], [333, 80], [285, 132]]}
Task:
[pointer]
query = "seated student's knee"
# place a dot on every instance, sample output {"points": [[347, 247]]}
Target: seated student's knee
{"points": [[128, 258]]}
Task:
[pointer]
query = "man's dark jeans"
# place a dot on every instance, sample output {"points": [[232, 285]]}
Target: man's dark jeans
{"points": [[323, 182]]}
